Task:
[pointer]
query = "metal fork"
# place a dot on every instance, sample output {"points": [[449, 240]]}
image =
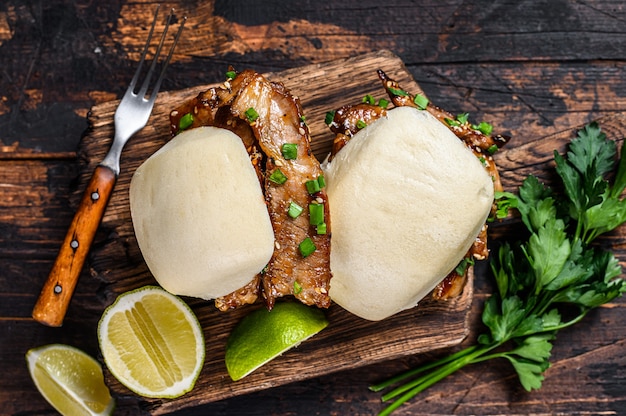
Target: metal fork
{"points": [[131, 116]]}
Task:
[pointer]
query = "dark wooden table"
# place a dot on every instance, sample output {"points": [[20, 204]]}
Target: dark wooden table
{"points": [[531, 68]]}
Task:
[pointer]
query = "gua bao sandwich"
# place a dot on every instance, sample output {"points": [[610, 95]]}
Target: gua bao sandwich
{"points": [[236, 207], [233, 207], [408, 201]]}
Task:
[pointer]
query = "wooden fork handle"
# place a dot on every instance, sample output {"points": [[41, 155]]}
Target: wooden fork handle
{"points": [[57, 292]]}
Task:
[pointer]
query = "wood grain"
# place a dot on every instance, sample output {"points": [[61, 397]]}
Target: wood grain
{"points": [[348, 342]]}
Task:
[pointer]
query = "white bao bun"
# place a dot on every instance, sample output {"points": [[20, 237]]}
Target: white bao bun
{"points": [[407, 199], [199, 214]]}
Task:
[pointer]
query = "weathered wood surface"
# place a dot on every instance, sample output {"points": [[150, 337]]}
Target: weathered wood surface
{"points": [[533, 68]]}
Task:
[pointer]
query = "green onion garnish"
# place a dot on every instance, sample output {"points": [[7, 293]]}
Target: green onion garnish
{"points": [[294, 210], [290, 150], [368, 99], [321, 228], [360, 124], [492, 149], [451, 122], [231, 74], [398, 92], [383, 103], [420, 101], [316, 214], [297, 287], [278, 177], [330, 116], [312, 186], [315, 185], [463, 265], [185, 121], [463, 117], [307, 247], [484, 128], [251, 115]]}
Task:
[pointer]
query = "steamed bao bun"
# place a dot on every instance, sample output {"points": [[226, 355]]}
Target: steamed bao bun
{"points": [[407, 199], [200, 216]]}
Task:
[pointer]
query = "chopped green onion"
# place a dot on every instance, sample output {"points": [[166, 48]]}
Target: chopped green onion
{"points": [[464, 265], [290, 150], [368, 99], [312, 186], [303, 119], [278, 177], [316, 214], [231, 74], [492, 149], [321, 181], [307, 247], [294, 210], [383, 103], [360, 124], [398, 92], [321, 228], [420, 101], [251, 115], [185, 121], [463, 117], [451, 122], [484, 128], [330, 116], [315, 185], [483, 161], [297, 287]]}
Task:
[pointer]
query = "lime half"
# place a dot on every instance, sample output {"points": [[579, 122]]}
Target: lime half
{"points": [[70, 380], [264, 335], [152, 342]]}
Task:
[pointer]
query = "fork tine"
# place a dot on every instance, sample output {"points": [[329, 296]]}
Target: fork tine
{"points": [[157, 85], [144, 87], [133, 82]]}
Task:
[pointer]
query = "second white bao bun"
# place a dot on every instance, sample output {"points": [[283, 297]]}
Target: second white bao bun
{"points": [[407, 199], [200, 216]]}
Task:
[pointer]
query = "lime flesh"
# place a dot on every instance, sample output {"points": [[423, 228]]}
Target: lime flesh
{"points": [[70, 380], [152, 342]]}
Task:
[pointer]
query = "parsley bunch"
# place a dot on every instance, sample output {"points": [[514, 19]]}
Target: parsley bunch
{"points": [[551, 280]]}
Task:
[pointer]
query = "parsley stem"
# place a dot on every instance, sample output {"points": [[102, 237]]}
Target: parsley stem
{"points": [[421, 369], [447, 367]]}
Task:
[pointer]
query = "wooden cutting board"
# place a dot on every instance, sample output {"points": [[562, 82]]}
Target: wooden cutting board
{"points": [[348, 342]]}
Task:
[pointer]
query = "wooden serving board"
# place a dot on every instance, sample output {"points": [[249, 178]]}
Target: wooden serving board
{"points": [[348, 342]]}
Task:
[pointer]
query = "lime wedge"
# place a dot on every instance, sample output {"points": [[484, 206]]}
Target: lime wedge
{"points": [[152, 342], [263, 335], [70, 380]]}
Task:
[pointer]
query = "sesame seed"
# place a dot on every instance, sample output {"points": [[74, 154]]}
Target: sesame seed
{"points": [[277, 245], [301, 131], [279, 163], [319, 200]]}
